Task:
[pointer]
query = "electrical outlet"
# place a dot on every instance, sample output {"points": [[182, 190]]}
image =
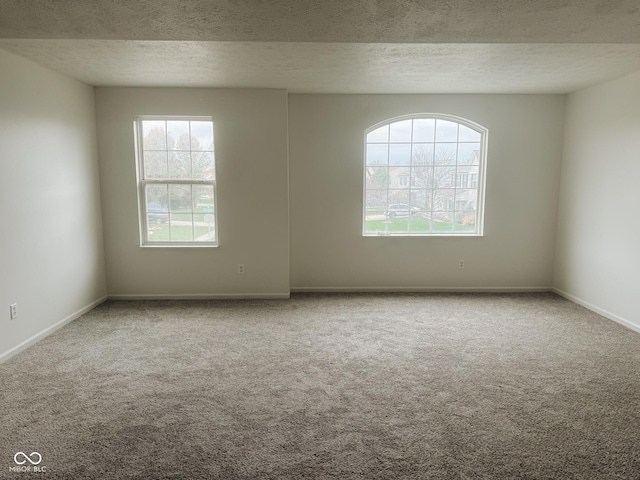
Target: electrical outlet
{"points": [[461, 264], [241, 268], [14, 310]]}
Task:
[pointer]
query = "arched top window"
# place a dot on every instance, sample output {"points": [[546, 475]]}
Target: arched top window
{"points": [[424, 175]]}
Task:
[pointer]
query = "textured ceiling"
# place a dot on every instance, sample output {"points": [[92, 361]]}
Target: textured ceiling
{"points": [[335, 67], [363, 21], [331, 46]]}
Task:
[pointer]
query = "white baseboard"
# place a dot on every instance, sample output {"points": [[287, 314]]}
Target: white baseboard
{"points": [[48, 331], [419, 289], [598, 310], [202, 296]]}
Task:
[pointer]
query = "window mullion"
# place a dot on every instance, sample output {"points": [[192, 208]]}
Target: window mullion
{"points": [[455, 182], [410, 203], [386, 222], [433, 180]]}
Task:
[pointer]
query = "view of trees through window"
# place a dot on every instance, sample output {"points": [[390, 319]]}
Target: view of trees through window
{"points": [[423, 177], [177, 179]]}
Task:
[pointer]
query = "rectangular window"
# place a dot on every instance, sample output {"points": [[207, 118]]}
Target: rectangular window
{"points": [[176, 181]]}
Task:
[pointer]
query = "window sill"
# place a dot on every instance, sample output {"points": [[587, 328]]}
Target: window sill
{"points": [[180, 245], [405, 235]]}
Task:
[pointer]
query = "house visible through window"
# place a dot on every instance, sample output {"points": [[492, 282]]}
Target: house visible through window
{"points": [[424, 175], [177, 181]]}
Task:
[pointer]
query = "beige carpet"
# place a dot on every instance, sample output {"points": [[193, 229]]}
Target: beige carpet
{"points": [[370, 386]]}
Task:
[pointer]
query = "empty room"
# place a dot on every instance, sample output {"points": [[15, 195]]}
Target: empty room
{"points": [[373, 239]]}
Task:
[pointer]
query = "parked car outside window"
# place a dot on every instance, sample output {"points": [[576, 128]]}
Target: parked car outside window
{"points": [[401, 210], [157, 214]]}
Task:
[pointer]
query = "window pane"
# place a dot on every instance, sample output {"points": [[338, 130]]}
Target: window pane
{"points": [[421, 177], [203, 165], [202, 136], [399, 177], [446, 131], [204, 229], [157, 214], [476, 158], [179, 165], [468, 153], [466, 134], [465, 222], [466, 199], [443, 177], [400, 154], [422, 154], [443, 199], [442, 222], [379, 135], [178, 135], [157, 231], [204, 213], [445, 153], [378, 177], [181, 227], [375, 212], [400, 131], [467, 177], [157, 198], [424, 129], [203, 198], [399, 200], [398, 211], [155, 165], [419, 223], [377, 154], [154, 135], [399, 225], [374, 226], [421, 199], [376, 202], [474, 175], [180, 199]]}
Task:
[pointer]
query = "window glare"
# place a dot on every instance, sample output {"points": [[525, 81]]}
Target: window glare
{"points": [[400, 131], [201, 136], [466, 134], [446, 131], [379, 135], [424, 129]]}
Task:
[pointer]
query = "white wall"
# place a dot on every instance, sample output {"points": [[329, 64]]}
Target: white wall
{"points": [[598, 246], [251, 166], [51, 249], [328, 250]]}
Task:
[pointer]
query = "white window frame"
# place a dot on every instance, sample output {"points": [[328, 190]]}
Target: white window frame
{"points": [[481, 177], [142, 183]]}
